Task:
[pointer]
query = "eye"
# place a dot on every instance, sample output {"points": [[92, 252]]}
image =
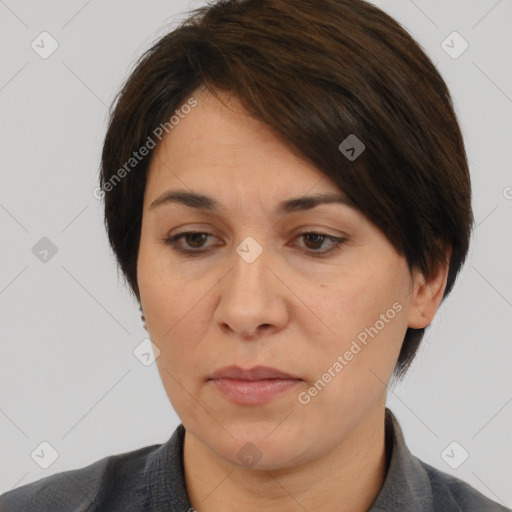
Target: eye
{"points": [[195, 242], [316, 241]]}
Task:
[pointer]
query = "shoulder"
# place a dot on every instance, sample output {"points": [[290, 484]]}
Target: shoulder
{"points": [[451, 493], [412, 484], [84, 489]]}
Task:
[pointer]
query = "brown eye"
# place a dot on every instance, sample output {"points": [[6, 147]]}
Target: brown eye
{"points": [[316, 240], [195, 240], [194, 243]]}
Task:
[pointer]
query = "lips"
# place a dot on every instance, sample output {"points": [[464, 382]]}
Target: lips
{"points": [[251, 374], [253, 386]]}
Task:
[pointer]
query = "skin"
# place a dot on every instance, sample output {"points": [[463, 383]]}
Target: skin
{"points": [[286, 309]]}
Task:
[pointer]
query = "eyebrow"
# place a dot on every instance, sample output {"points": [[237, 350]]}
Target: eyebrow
{"points": [[203, 202]]}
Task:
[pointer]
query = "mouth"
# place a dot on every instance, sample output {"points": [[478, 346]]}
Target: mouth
{"points": [[253, 392], [254, 386], [252, 374]]}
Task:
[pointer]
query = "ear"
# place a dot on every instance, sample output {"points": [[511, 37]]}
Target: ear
{"points": [[427, 295]]}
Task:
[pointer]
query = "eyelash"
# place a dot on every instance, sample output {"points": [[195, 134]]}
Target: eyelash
{"points": [[174, 240]]}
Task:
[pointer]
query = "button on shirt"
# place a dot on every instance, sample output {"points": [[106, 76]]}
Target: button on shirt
{"points": [[151, 479]]}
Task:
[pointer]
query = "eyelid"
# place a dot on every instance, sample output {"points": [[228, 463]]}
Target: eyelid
{"points": [[337, 241]]}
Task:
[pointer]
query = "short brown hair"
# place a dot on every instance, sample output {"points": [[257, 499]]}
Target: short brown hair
{"points": [[314, 71]]}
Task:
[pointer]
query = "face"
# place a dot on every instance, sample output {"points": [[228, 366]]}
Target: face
{"points": [[318, 293]]}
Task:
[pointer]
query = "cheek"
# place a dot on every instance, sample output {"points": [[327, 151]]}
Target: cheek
{"points": [[174, 309], [163, 294], [366, 318], [351, 368]]}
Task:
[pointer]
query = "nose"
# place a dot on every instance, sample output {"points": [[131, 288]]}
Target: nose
{"points": [[253, 298]]}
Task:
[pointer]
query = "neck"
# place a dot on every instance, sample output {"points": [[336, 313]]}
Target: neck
{"points": [[347, 478]]}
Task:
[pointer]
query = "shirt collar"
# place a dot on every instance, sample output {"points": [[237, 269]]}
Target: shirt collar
{"points": [[406, 486]]}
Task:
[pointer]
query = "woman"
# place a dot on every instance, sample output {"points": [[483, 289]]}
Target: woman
{"points": [[287, 194]]}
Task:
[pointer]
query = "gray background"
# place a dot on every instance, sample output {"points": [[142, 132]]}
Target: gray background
{"points": [[69, 327]]}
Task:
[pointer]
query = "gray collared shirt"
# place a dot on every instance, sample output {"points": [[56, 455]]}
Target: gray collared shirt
{"points": [[151, 479]]}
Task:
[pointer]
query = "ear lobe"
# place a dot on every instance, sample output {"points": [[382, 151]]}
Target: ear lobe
{"points": [[427, 296]]}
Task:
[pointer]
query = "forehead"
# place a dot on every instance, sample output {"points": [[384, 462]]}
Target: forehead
{"points": [[220, 150]]}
